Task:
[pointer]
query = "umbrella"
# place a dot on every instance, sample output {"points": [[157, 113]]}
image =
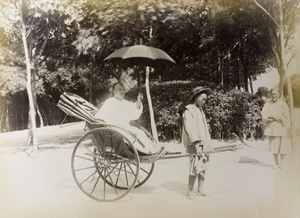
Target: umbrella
{"points": [[140, 55], [145, 56]]}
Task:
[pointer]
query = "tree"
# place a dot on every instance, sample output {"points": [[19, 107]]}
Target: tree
{"points": [[148, 20], [17, 8], [218, 42], [238, 36], [284, 31], [203, 28], [31, 19]]}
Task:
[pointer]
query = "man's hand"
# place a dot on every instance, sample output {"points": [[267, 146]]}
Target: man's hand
{"points": [[273, 118], [140, 96], [199, 148], [139, 100]]}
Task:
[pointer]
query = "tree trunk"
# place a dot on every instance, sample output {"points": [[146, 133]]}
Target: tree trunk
{"points": [[2, 112], [36, 108], [91, 82], [289, 86], [251, 84], [4, 120], [152, 121], [246, 74], [32, 132], [139, 80], [238, 73], [7, 121], [281, 72], [16, 121], [220, 67], [40, 117]]}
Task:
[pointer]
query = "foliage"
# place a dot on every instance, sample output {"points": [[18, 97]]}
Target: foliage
{"points": [[69, 40], [235, 113], [230, 114], [206, 28], [295, 79], [238, 35], [12, 80]]}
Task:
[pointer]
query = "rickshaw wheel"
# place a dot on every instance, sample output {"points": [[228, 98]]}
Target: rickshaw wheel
{"points": [[105, 165], [146, 170]]}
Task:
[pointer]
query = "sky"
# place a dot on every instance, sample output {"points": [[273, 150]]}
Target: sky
{"points": [[269, 80]]}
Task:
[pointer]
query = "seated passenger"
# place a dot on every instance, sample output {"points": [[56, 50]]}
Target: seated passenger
{"points": [[118, 111]]}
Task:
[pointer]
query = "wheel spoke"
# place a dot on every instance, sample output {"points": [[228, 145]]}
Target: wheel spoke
{"points": [[121, 180], [145, 173], [119, 177], [114, 150], [132, 171], [95, 185], [126, 174], [114, 167], [88, 177], [85, 158], [84, 168], [111, 180], [105, 164], [104, 185], [119, 174], [142, 168]]}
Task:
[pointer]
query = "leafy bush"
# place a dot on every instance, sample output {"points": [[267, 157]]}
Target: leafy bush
{"points": [[234, 113]]}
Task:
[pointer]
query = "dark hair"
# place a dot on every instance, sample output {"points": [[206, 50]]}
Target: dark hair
{"points": [[274, 89], [114, 85], [192, 100]]}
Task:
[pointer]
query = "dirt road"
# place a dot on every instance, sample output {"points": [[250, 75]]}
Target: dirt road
{"points": [[240, 184]]}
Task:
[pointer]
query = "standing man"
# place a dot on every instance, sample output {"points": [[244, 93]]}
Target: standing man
{"points": [[275, 114], [196, 139]]}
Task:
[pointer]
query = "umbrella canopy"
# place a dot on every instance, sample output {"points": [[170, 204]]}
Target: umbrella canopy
{"points": [[140, 55]]}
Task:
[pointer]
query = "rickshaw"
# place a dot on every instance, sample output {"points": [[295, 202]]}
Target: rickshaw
{"points": [[106, 163]]}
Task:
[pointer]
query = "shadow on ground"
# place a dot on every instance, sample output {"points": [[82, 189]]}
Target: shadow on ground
{"points": [[176, 187], [252, 161]]}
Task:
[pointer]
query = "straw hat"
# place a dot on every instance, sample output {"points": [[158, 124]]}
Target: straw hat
{"points": [[199, 90]]}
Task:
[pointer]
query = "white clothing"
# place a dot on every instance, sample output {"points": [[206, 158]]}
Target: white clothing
{"points": [[279, 110], [120, 113], [195, 128]]}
